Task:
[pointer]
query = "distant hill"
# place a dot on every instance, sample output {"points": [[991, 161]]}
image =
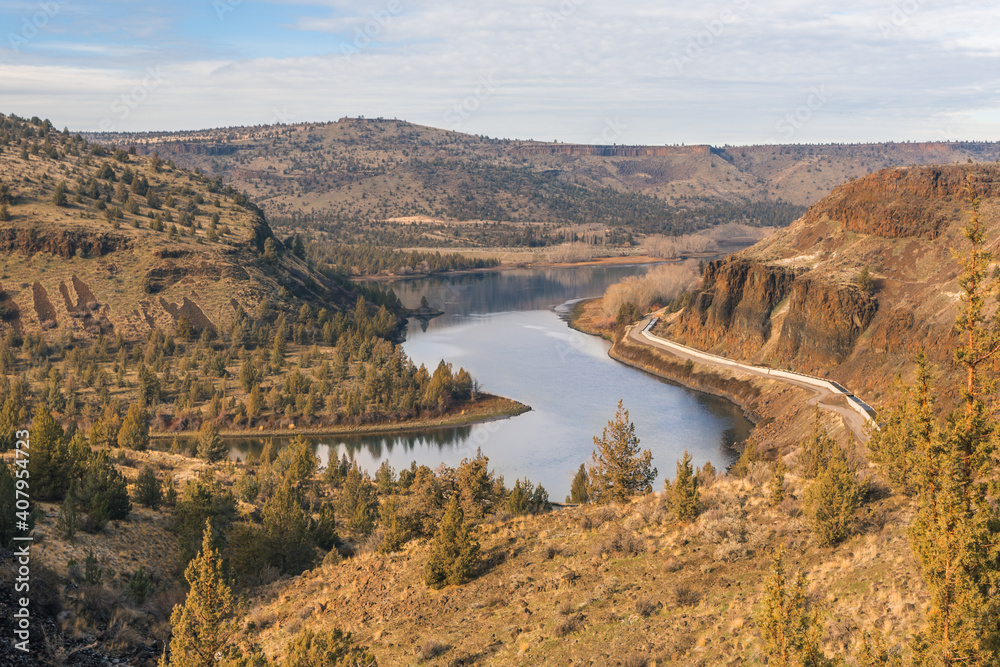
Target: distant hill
{"points": [[343, 176]]}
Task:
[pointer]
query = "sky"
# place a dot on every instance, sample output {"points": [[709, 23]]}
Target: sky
{"points": [[584, 71]]}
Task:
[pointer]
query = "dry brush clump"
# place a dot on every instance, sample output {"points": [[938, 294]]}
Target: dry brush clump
{"points": [[623, 541], [660, 285], [672, 247], [571, 252], [728, 528]]}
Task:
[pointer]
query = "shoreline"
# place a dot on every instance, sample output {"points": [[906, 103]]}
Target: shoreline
{"points": [[697, 378], [491, 408], [618, 261], [780, 413]]}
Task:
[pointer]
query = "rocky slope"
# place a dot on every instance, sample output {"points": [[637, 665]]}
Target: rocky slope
{"points": [[132, 244], [794, 300]]}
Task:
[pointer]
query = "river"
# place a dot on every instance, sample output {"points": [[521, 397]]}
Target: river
{"points": [[508, 329]]}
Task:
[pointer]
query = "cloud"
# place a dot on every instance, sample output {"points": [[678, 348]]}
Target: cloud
{"points": [[720, 71]]}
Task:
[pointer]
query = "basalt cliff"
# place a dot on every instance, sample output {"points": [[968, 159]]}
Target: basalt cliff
{"points": [[799, 299]]}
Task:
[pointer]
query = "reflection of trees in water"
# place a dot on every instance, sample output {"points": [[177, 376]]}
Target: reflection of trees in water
{"points": [[376, 446]]}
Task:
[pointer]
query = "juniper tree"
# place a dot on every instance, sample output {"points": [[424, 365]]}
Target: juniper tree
{"points": [[749, 455], [833, 498], [134, 432], [288, 543], [49, 458], [956, 529], [578, 490], [816, 448], [684, 496], [618, 468], [69, 516], [789, 632], [778, 481], [105, 490], [358, 502], [900, 446], [148, 490], [210, 445], [454, 550], [395, 531], [204, 625]]}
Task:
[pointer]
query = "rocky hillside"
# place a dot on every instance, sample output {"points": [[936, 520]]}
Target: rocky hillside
{"points": [[799, 298], [103, 242]]}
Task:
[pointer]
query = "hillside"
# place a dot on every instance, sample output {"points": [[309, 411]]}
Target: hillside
{"points": [[126, 278], [132, 244], [796, 299], [341, 177]]}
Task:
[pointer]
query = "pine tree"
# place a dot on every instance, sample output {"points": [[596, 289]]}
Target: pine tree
{"points": [[684, 491], [790, 634], [148, 490], [578, 490], [204, 624], [834, 498], [618, 468], [211, 447], [134, 433], [454, 551]]}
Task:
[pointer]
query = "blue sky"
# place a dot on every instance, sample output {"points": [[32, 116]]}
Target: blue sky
{"points": [[630, 71]]}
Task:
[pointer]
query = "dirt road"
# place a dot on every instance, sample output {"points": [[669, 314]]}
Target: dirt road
{"points": [[827, 395]]}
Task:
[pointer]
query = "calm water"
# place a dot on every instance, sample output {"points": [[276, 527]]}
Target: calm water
{"points": [[507, 329]]}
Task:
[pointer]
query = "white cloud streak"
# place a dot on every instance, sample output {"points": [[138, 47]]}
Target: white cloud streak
{"points": [[564, 67]]}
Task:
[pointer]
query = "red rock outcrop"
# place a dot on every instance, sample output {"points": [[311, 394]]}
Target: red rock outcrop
{"points": [[901, 203]]}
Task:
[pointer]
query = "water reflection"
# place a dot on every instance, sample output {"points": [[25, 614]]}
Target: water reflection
{"points": [[502, 327]]}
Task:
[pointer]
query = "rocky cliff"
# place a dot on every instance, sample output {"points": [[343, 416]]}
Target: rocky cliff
{"points": [[796, 299]]}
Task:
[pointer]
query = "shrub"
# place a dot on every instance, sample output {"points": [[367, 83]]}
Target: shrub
{"points": [[685, 595], [568, 625], [646, 607], [623, 541], [431, 649], [331, 648]]}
